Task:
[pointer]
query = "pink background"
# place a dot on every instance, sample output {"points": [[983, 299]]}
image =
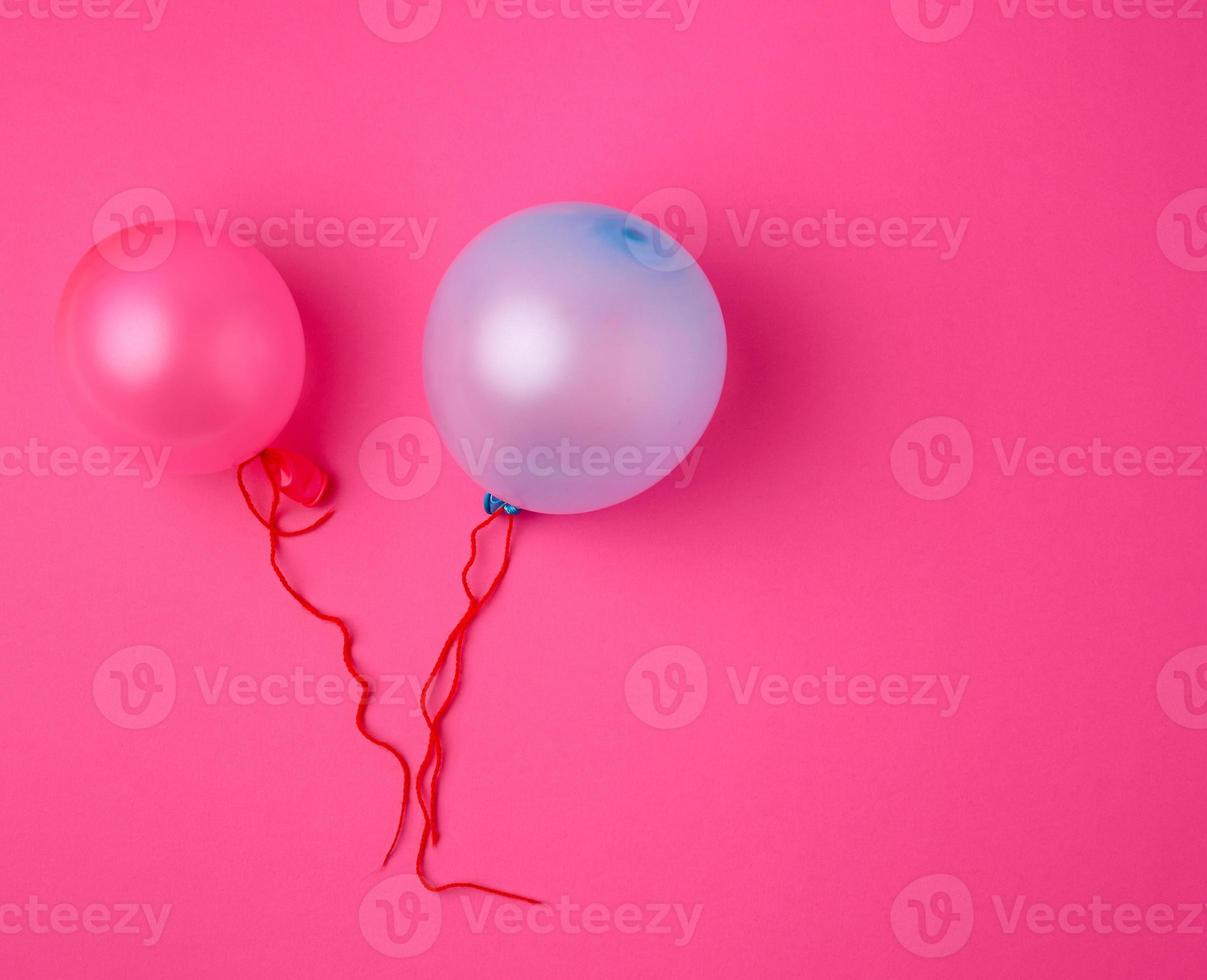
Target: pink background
{"points": [[802, 542]]}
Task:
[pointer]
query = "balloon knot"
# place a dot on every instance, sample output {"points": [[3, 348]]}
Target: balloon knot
{"points": [[492, 503], [300, 478]]}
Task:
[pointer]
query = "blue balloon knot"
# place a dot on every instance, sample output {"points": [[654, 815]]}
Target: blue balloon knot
{"points": [[492, 503]]}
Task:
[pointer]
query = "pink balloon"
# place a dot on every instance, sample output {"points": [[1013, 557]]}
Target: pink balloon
{"points": [[574, 355], [174, 342]]}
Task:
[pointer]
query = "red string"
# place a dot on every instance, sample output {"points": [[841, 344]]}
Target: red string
{"points": [[435, 746], [275, 532]]}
